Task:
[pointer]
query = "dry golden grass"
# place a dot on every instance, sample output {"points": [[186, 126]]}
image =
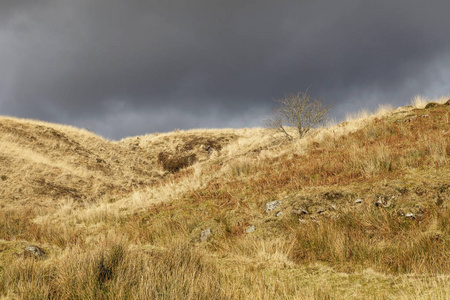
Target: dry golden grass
{"points": [[116, 222], [419, 101]]}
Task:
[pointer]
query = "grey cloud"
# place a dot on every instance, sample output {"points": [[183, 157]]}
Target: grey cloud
{"points": [[83, 61]]}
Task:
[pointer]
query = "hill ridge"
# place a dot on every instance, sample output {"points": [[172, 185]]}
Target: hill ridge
{"points": [[366, 201]]}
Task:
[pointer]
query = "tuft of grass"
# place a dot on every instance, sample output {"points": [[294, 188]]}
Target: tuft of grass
{"points": [[420, 101], [117, 273], [375, 239]]}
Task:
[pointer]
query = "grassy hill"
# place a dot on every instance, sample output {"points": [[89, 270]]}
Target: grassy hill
{"points": [[358, 210]]}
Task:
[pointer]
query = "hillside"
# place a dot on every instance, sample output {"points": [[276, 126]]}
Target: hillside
{"points": [[360, 209]]}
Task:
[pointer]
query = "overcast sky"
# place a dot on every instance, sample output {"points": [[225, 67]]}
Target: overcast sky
{"points": [[123, 68]]}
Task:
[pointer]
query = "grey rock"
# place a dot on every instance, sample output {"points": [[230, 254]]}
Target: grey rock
{"points": [[410, 215], [299, 211], [251, 229], [205, 234], [279, 213], [34, 251], [381, 203], [272, 205], [333, 207], [411, 118], [357, 201]]}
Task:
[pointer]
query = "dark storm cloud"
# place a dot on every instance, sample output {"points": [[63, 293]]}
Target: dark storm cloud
{"points": [[130, 67]]}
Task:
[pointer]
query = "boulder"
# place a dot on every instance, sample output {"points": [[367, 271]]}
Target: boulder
{"points": [[251, 229], [383, 203], [35, 252], [205, 234], [272, 205], [299, 211]]}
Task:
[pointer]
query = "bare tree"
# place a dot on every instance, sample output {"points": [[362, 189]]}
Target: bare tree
{"points": [[298, 111]]}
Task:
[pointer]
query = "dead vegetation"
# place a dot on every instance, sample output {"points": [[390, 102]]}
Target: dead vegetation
{"points": [[174, 163], [297, 111], [363, 212]]}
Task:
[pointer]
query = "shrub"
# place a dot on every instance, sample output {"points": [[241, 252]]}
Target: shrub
{"points": [[298, 111]]}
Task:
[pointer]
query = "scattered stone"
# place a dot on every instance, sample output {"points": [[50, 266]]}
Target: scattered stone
{"points": [[381, 203], [299, 211], [358, 201], [410, 215], [425, 116], [35, 252], [272, 205], [410, 119], [279, 213], [333, 207], [320, 210], [251, 229], [205, 234]]}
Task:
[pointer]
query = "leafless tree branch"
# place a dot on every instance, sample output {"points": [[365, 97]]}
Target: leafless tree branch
{"points": [[299, 111]]}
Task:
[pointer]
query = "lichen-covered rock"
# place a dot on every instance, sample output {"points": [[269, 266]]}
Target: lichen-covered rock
{"points": [[299, 211], [35, 252], [272, 205], [204, 236], [382, 202], [251, 229]]}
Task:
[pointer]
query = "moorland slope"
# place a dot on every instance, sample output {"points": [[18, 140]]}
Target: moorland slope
{"points": [[360, 209]]}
